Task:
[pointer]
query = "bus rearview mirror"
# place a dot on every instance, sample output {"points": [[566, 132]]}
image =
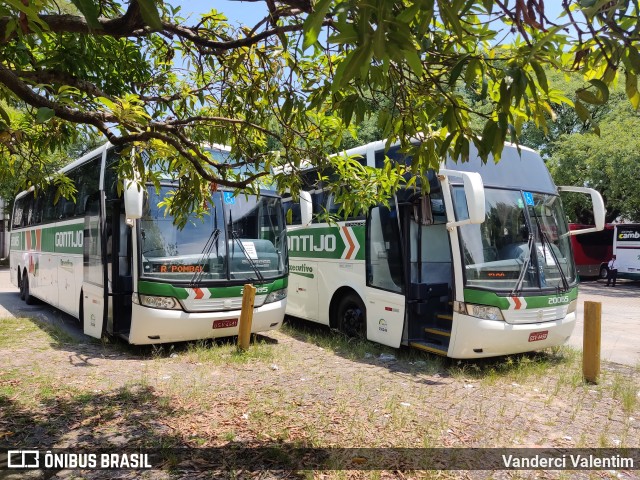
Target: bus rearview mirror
{"points": [[133, 200], [306, 207]]}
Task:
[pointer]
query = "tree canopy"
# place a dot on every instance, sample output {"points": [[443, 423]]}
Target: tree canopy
{"points": [[286, 89]]}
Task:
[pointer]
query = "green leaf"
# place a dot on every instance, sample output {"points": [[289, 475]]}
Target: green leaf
{"points": [[351, 65], [44, 114], [457, 70], [150, 14], [582, 112], [541, 75], [634, 58], [90, 10], [631, 87], [313, 23], [413, 59], [602, 89], [5, 115], [589, 97]]}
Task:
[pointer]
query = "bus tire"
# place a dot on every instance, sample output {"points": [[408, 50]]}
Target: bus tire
{"points": [[604, 272], [21, 285], [351, 316], [28, 298], [81, 313]]}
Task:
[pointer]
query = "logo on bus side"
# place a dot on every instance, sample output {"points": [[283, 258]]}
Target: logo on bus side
{"points": [[312, 243], [15, 240], [628, 235], [69, 239]]}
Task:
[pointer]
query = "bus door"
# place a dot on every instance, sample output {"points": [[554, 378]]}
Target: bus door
{"points": [[118, 264], [430, 274], [384, 292], [93, 298]]}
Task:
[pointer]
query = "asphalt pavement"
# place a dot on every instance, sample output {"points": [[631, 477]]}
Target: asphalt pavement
{"points": [[620, 336]]}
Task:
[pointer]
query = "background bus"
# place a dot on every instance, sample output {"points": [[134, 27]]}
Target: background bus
{"points": [[119, 265], [592, 251], [479, 265], [626, 247]]}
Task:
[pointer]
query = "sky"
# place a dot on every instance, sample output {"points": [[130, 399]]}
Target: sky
{"points": [[250, 13], [247, 13]]}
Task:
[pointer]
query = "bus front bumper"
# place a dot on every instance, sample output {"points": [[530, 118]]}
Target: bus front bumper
{"points": [[151, 325], [476, 338]]}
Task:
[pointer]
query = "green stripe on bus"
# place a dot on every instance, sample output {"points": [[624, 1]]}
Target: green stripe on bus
{"points": [[181, 293], [56, 239], [480, 297], [334, 242]]}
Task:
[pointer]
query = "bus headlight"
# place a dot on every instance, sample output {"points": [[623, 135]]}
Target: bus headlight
{"points": [[276, 296], [484, 312], [165, 303], [572, 306]]}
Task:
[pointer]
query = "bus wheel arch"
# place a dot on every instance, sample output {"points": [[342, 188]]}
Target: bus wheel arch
{"points": [[347, 313]]}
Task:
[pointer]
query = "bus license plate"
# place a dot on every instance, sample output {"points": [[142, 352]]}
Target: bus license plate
{"points": [[231, 322], [537, 336]]}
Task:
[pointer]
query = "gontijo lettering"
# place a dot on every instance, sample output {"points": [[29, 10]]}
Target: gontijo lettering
{"points": [[312, 243], [69, 239]]}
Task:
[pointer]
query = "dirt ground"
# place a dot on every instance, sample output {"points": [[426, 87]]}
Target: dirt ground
{"points": [[302, 387]]}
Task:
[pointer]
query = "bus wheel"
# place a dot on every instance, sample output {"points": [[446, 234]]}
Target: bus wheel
{"points": [[21, 284], [604, 272], [352, 317], [28, 298]]}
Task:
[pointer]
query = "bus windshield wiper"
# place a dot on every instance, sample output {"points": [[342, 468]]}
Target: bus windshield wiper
{"points": [[563, 277], [236, 238], [525, 266], [204, 257], [547, 242]]}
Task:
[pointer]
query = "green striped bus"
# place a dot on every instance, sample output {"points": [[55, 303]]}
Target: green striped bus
{"points": [[121, 267]]}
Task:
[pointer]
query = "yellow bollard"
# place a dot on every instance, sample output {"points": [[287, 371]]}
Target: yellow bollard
{"points": [[246, 317], [591, 341]]}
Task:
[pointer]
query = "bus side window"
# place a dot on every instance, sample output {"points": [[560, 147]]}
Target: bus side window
{"points": [[28, 212], [49, 195], [18, 211], [86, 179], [385, 261]]}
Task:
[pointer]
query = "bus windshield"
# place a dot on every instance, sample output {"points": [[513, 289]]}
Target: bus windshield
{"points": [[522, 245], [240, 238]]}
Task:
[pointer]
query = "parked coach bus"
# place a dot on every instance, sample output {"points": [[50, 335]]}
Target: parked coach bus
{"points": [[592, 251], [478, 265], [120, 265]]}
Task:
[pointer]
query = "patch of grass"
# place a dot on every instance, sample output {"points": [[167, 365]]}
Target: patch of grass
{"points": [[211, 352], [16, 330], [626, 390], [514, 368]]}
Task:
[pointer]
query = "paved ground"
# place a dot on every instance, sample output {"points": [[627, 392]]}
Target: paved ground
{"points": [[620, 319], [620, 316]]}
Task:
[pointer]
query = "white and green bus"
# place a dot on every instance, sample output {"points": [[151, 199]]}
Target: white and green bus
{"points": [[120, 265], [478, 265]]}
